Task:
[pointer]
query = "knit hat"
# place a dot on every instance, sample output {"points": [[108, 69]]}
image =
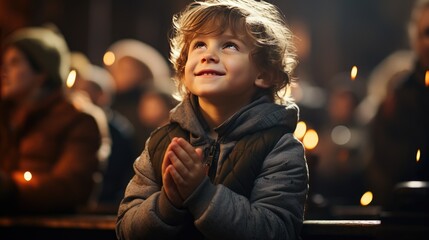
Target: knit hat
{"points": [[45, 49]]}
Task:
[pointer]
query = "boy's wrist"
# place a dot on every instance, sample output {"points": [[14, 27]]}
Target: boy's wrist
{"points": [[200, 199], [168, 212]]}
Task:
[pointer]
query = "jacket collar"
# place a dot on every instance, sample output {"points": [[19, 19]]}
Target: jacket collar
{"points": [[258, 115]]}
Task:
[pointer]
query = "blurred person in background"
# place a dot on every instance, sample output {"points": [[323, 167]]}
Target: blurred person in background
{"points": [[400, 128], [339, 171], [81, 100], [98, 84], [48, 153], [136, 68], [154, 108]]}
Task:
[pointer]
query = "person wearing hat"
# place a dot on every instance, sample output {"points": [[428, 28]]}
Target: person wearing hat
{"points": [[98, 85], [48, 153], [137, 67]]}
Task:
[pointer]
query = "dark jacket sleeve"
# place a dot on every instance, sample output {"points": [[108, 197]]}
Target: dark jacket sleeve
{"points": [[145, 212]]}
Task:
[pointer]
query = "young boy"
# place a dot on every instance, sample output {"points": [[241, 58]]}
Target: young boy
{"points": [[227, 166]]}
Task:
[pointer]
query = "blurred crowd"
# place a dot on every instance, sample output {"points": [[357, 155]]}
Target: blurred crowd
{"points": [[373, 135], [70, 130]]}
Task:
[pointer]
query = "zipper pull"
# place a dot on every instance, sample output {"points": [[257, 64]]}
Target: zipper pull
{"points": [[211, 162]]}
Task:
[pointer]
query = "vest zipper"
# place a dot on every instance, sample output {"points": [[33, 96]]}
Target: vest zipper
{"points": [[212, 158]]}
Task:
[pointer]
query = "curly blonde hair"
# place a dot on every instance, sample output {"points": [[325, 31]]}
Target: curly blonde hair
{"points": [[261, 22]]}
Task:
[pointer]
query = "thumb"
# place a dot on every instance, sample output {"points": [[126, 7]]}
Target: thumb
{"points": [[199, 152]]}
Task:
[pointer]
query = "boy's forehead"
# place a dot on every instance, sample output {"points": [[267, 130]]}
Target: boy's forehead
{"points": [[225, 33]]}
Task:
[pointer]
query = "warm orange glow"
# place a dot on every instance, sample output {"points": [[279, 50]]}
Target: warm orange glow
{"points": [[109, 58], [311, 139], [418, 155], [427, 78], [71, 78], [300, 130], [353, 73], [366, 198], [28, 176]]}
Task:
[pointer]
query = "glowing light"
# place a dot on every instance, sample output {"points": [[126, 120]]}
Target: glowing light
{"points": [[416, 184], [427, 78], [300, 130], [71, 78], [341, 135], [366, 198], [28, 176], [109, 58], [418, 155], [353, 73], [311, 139]]}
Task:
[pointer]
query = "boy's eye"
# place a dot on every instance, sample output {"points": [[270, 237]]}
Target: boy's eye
{"points": [[231, 45], [199, 45]]}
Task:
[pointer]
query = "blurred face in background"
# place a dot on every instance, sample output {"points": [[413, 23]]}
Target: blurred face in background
{"points": [[19, 80], [129, 73], [422, 39], [153, 110], [341, 107], [94, 92]]}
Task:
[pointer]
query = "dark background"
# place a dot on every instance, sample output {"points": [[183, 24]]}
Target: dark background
{"points": [[335, 34], [343, 33]]}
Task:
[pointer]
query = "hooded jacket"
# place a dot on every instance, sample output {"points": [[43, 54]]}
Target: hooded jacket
{"points": [[274, 208]]}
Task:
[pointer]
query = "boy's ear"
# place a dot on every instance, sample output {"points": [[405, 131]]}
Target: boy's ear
{"points": [[263, 81]]}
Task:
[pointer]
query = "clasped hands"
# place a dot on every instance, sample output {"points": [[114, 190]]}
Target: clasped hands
{"points": [[182, 170]]}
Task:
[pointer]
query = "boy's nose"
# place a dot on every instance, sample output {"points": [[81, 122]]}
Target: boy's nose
{"points": [[210, 56]]}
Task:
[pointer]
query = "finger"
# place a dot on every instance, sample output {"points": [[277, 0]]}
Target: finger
{"points": [[166, 161], [178, 164], [171, 190], [177, 178], [182, 155], [167, 181], [199, 153], [189, 149]]}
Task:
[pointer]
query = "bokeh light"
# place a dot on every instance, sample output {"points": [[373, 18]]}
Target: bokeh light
{"points": [[366, 198], [300, 129], [71, 78], [28, 176], [341, 135], [353, 73], [109, 58], [311, 139], [418, 155]]}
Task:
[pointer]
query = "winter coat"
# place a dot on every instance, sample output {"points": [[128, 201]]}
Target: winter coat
{"points": [[274, 207], [58, 145]]}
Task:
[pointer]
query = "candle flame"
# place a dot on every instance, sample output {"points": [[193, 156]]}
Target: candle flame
{"points": [[427, 78], [300, 130], [418, 155], [366, 198], [311, 139], [28, 176], [109, 58], [71, 78], [353, 73]]}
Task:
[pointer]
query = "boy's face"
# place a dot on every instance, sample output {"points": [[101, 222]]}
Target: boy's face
{"points": [[219, 69]]}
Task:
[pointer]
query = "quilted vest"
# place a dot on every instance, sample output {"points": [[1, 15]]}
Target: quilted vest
{"points": [[240, 168]]}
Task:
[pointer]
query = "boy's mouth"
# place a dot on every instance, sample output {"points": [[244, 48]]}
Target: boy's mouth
{"points": [[209, 72]]}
